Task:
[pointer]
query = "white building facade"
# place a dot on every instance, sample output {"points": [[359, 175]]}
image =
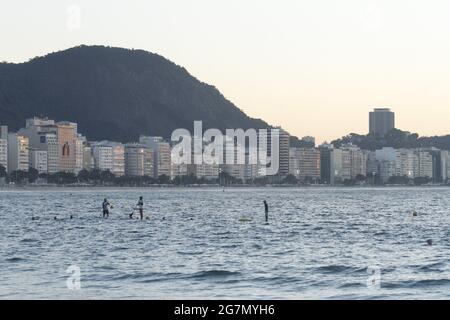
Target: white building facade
{"points": [[38, 160], [18, 153]]}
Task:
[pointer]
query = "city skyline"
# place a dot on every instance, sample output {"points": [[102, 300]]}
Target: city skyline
{"points": [[312, 68], [52, 148]]}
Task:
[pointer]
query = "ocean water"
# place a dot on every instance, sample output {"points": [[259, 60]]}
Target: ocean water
{"points": [[321, 243]]}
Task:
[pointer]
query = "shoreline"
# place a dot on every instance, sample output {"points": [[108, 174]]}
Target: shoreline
{"points": [[31, 187]]}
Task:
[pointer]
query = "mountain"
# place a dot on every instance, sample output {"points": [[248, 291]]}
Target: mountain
{"points": [[114, 93]]}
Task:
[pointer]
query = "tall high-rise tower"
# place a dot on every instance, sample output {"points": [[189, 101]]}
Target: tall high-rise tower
{"points": [[381, 121]]}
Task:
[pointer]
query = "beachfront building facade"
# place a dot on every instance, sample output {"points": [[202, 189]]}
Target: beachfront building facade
{"points": [[284, 153], [80, 141], [138, 160], [4, 132], [18, 153], [404, 163], [4, 153], [349, 162], [408, 163], [67, 136], [444, 165], [109, 156], [304, 164], [103, 156], [4, 147], [43, 135], [38, 160], [118, 159], [204, 171], [423, 164], [88, 159], [327, 163], [161, 155]]}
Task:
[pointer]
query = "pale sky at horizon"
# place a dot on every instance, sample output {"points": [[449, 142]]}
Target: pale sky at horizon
{"points": [[314, 67]]}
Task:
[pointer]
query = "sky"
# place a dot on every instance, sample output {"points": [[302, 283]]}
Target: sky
{"points": [[313, 67]]}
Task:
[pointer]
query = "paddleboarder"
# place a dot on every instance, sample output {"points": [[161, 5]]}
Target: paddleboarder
{"points": [[266, 209], [140, 207], [105, 206]]}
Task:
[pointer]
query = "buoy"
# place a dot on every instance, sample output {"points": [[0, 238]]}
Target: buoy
{"points": [[415, 214]]}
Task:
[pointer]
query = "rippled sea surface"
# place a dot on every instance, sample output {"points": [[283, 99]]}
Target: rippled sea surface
{"points": [[321, 243]]}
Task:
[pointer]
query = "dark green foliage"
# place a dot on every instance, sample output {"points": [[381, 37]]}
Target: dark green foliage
{"points": [[396, 139], [290, 179], [419, 181], [63, 178], [18, 176], [400, 180], [3, 172], [33, 175]]}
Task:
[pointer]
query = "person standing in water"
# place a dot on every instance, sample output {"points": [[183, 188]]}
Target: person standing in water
{"points": [[106, 205], [140, 207], [266, 209]]}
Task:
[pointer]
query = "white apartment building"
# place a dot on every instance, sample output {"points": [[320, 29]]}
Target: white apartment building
{"points": [[349, 162], [372, 163], [4, 147], [38, 160], [243, 172], [386, 159], [386, 170], [161, 154], [444, 164], [103, 157], [423, 164], [448, 167], [18, 153], [304, 163], [110, 156], [404, 163], [80, 141], [4, 132], [206, 171], [138, 160], [178, 170], [42, 135], [358, 160], [411, 163], [119, 160], [88, 159], [4, 153]]}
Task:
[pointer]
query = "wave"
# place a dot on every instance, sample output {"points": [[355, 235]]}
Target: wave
{"points": [[28, 240], [15, 259], [214, 274], [190, 253], [412, 284], [331, 269]]}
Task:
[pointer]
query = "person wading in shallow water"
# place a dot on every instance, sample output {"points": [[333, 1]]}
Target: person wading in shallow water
{"points": [[266, 209], [106, 205], [140, 207]]}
